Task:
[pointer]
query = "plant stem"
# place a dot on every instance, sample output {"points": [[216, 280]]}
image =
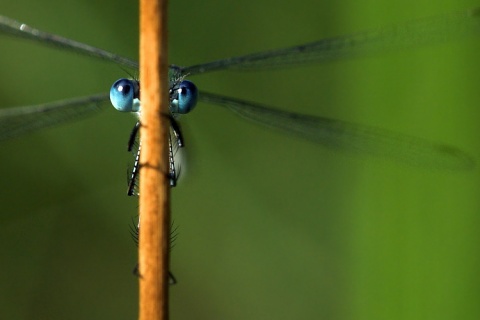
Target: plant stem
{"points": [[154, 183]]}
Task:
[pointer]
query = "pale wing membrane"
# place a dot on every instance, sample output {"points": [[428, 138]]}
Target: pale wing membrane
{"points": [[351, 137], [416, 33], [333, 133], [19, 29], [20, 120]]}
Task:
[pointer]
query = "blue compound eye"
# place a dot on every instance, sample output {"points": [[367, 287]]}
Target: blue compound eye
{"points": [[184, 97], [122, 95]]}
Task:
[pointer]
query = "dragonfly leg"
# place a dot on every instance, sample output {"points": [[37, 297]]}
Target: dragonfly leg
{"points": [[175, 140]]}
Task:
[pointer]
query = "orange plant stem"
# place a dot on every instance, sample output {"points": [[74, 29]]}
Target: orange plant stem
{"points": [[154, 184]]}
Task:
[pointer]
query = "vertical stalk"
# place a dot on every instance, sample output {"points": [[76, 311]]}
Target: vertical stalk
{"points": [[154, 184]]}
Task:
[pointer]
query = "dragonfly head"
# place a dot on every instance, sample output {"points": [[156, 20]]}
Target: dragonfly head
{"points": [[124, 95]]}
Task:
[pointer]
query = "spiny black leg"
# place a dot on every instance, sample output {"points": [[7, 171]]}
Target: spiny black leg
{"points": [[174, 142], [171, 278], [134, 231], [133, 136], [132, 184], [172, 174], [176, 131]]}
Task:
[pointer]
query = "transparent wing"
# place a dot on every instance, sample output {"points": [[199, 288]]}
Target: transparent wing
{"points": [[416, 33], [413, 34], [20, 120], [350, 137], [332, 133], [15, 28]]}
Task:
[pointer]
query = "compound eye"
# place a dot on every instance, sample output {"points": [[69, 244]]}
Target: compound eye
{"points": [[122, 95], [185, 97]]}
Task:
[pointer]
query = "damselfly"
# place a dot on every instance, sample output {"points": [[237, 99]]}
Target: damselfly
{"points": [[183, 93]]}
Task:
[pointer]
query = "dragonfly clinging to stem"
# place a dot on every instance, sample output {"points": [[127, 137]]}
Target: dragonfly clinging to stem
{"points": [[332, 133]]}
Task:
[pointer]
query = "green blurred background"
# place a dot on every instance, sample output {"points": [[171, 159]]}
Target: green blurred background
{"points": [[269, 227]]}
